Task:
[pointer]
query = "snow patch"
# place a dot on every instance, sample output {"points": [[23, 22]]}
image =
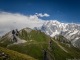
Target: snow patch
{"points": [[55, 33], [19, 41]]}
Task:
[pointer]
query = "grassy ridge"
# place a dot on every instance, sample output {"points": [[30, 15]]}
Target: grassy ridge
{"points": [[34, 35], [37, 41], [59, 54], [35, 47], [13, 55]]}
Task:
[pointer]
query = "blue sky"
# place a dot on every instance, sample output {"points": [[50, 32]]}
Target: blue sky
{"points": [[61, 10]]}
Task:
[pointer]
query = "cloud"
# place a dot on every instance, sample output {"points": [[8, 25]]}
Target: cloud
{"points": [[10, 21], [42, 15]]}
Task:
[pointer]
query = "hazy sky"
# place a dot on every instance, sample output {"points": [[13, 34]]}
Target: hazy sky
{"points": [[61, 10]]}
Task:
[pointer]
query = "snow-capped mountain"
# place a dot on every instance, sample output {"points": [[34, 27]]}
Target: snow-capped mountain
{"points": [[71, 31]]}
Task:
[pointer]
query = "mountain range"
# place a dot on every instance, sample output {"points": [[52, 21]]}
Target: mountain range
{"points": [[70, 31], [52, 41]]}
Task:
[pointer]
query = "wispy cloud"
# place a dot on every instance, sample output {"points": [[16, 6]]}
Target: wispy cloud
{"points": [[9, 21], [42, 15]]}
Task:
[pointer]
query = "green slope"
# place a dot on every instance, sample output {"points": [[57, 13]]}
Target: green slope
{"points": [[38, 41], [60, 54], [13, 55], [35, 47]]}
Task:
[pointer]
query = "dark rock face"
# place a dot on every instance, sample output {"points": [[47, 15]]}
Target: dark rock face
{"points": [[4, 56], [15, 33]]}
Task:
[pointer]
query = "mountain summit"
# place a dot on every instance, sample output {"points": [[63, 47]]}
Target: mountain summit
{"points": [[71, 31]]}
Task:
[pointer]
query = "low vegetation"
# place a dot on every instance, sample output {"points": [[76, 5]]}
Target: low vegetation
{"points": [[13, 55], [37, 42]]}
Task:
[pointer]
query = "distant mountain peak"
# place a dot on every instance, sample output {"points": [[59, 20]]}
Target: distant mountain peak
{"points": [[71, 31]]}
